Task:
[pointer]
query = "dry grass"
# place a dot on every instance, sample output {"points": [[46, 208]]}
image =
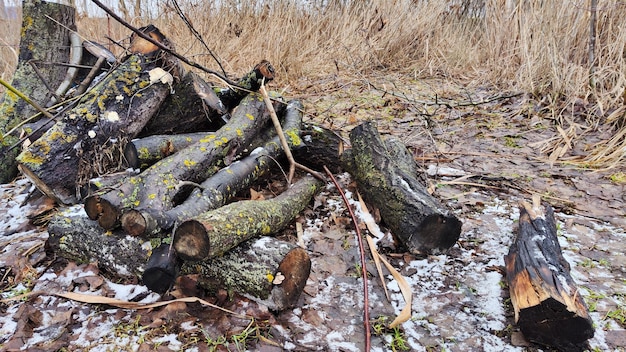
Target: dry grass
{"points": [[540, 47]]}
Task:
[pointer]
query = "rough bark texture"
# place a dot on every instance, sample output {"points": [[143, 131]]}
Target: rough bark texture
{"points": [[213, 233], [193, 107], [548, 308], [144, 152], [90, 137], [41, 40], [267, 270], [157, 187], [76, 237], [221, 187], [321, 147], [416, 218]]}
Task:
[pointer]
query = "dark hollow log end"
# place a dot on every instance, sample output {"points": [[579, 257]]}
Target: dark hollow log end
{"points": [[550, 323], [191, 241], [134, 222], [131, 155], [295, 267]]}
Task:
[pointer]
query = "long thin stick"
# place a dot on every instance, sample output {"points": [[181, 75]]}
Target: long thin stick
{"points": [[279, 131], [366, 312]]}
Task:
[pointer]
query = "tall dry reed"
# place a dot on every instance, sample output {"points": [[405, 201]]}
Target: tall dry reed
{"points": [[540, 47]]}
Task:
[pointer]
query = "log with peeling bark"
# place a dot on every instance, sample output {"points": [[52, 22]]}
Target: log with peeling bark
{"points": [[88, 140], [215, 232], [221, 187], [548, 306], [266, 270], [42, 41], [156, 188], [416, 218], [194, 106]]}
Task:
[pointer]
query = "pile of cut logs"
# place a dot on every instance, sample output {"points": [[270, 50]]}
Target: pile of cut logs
{"points": [[148, 159]]}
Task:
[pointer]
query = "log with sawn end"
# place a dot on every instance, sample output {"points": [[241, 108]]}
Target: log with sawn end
{"points": [[415, 217], [157, 186], [266, 270], [213, 233], [548, 307], [221, 187]]}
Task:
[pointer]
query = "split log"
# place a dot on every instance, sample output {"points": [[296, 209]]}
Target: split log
{"points": [[42, 41], [548, 308], [266, 270], [89, 139], [144, 152], [194, 106], [213, 233], [157, 187], [415, 217], [221, 187]]}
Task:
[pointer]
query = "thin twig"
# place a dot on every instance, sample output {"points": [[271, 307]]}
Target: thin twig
{"points": [[366, 313], [161, 46]]}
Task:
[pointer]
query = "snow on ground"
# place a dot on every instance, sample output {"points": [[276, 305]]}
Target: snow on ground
{"points": [[459, 303]]}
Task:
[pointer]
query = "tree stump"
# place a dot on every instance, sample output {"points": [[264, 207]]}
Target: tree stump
{"points": [[42, 41], [548, 308], [415, 217]]}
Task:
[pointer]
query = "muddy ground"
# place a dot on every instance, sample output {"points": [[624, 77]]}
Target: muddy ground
{"points": [[484, 151]]}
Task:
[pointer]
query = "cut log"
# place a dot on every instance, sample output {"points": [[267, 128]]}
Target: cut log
{"points": [[266, 270], [89, 139], [144, 152], [72, 235], [213, 233], [161, 269], [157, 187], [321, 147], [548, 307], [415, 217], [221, 187], [193, 107], [251, 82], [42, 41]]}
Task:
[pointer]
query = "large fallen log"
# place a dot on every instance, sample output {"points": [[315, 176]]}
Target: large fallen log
{"points": [[221, 187], [548, 307], [215, 232], [266, 270], [156, 187], [89, 139], [390, 182], [42, 41]]}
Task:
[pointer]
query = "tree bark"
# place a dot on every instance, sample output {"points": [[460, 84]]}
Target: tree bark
{"points": [[221, 187], [89, 139], [266, 270], [144, 152], [548, 308], [193, 107], [72, 235], [416, 218], [213, 233], [42, 40], [157, 187]]}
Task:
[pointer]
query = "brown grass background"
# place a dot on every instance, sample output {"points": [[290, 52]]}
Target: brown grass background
{"points": [[536, 47]]}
